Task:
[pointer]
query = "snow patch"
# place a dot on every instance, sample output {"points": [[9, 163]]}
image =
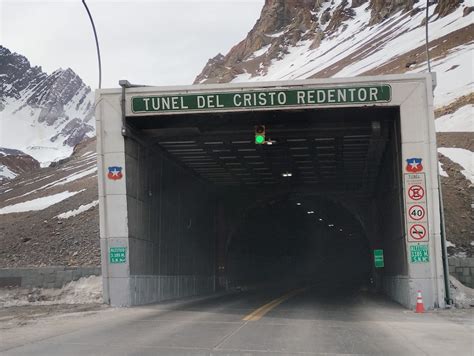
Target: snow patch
{"points": [[462, 296], [259, 52], [85, 290], [460, 120], [77, 211], [6, 173], [450, 244], [464, 158], [442, 172], [75, 176], [39, 203]]}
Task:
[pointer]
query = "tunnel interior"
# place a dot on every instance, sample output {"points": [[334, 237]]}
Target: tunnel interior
{"points": [[298, 240], [208, 208]]}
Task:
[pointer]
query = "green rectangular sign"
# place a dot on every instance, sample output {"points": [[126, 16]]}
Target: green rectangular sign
{"points": [[261, 99], [118, 254], [378, 258], [419, 254]]}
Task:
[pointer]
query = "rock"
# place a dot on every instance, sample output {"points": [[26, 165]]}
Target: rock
{"points": [[467, 10]]}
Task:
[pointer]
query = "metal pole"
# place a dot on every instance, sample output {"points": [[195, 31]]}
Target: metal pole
{"points": [[426, 36], [444, 254], [96, 43], [124, 84]]}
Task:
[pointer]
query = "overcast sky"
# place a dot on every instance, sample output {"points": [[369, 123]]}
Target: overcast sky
{"points": [[160, 42]]}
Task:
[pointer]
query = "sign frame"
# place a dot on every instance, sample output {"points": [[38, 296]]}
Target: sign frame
{"points": [[420, 253], [259, 99], [117, 254], [416, 201], [378, 258]]}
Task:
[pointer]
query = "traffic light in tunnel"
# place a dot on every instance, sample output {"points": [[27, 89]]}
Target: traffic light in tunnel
{"points": [[259, 134]]}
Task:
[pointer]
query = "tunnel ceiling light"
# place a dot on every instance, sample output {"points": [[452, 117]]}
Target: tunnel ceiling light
{"points": [[298, 204], [320, 219], [331, 225], [340, 230], [310, 212], [286, 174]]}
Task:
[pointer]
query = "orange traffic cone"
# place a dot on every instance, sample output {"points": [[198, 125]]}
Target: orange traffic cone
{"points": [[420, 308]]}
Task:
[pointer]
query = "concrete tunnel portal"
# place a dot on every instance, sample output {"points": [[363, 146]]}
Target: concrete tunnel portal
{"points": [[208, 209]]}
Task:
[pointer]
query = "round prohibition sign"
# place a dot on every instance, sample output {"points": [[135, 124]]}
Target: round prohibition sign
{"points": [[416, 192], [417, 232], [416, 212]]}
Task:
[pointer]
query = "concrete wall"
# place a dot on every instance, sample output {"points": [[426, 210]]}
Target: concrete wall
{"points": [[171, 227], [44, 277], [462, 269]]}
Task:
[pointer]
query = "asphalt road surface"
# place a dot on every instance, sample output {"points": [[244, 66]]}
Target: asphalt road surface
{"points": [[307, 321]]}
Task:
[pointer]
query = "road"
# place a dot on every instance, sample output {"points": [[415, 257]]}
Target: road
{"points": [[259, 322]]}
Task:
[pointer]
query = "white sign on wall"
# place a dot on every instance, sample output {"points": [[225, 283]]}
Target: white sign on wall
{"points": [[415, 207]]}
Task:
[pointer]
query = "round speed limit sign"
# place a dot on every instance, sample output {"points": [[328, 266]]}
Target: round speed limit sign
{"points": [[416, 212]]}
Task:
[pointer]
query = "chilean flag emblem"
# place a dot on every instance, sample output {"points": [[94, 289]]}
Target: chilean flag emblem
{"points": [[414, 165], [115, 173]]}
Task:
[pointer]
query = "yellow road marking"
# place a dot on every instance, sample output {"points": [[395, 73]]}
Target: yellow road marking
{"points": [[260, 312]]}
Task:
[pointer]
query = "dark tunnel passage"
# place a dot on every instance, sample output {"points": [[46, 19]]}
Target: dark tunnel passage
{"points": [[298, 241], [309, 207]]}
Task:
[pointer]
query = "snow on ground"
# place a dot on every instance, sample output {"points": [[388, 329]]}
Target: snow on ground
{"points": [[39, 203], [77, 211], [6, 173], [442, 172], [450, 244], [462, 296], [75, 176], [62, 181], [460, 120], [464, 158], [259, 52], [454, 75], [83, 291]]}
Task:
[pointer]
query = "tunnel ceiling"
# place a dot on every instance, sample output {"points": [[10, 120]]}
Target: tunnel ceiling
{"points": [[337, 149]]}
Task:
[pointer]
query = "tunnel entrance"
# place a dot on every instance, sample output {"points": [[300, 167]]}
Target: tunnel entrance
{"points": [[279, 207], [200, 206]]}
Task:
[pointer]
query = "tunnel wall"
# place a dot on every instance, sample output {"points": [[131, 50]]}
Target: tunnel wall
{"points": [[390, 234], [171, 228]]}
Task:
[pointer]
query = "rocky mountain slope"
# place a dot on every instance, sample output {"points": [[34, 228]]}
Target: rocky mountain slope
{"points": [[41, 115], [293, 39], [50, 216], [302, 39]]}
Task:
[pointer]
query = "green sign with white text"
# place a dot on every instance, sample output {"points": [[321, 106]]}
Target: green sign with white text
{"points": [[378, 258], [118, 254], [261, 99], [419, 254]]}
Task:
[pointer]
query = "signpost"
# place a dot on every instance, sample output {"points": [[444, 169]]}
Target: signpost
{"points": [[378, 258], [260, 99]]}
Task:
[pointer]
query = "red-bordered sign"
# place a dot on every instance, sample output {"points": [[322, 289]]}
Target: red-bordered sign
{"points": [[416, 192], [417, 232], [416, 212]]}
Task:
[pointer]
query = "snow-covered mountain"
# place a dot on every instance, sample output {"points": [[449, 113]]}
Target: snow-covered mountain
{"points": [[42, 115], [301, 39], [293, 39]]}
